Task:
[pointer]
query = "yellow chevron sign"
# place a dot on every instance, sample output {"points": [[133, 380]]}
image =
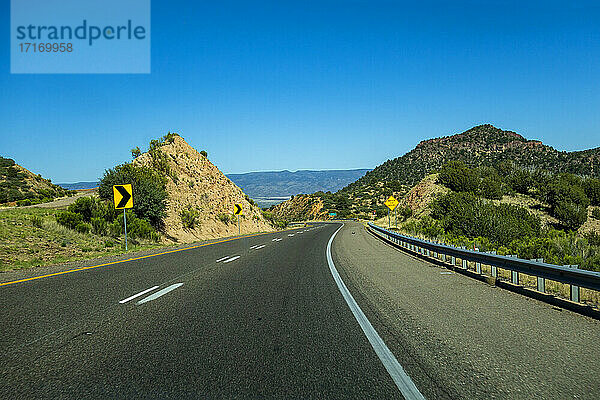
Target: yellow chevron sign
{"points": [[238, 209], [123, 196]]}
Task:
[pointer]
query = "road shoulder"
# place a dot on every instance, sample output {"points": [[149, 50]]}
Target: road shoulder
{"points": [[461, 338]]}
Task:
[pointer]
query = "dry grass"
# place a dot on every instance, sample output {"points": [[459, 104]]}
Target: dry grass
{"points": [[23, 245]]}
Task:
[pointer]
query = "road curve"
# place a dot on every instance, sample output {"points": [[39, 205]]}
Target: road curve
{"points": [[250, 318]]}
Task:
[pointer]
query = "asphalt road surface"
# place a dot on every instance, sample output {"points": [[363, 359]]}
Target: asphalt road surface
{"points": [[263, 317]]}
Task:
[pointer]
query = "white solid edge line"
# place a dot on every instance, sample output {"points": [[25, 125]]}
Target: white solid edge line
{"points": [[231, 259], [159, 293], [138, 295], [393, 367], [224, 258]]}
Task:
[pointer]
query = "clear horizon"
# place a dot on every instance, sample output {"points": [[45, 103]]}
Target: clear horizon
{"points": [[329, 85]]}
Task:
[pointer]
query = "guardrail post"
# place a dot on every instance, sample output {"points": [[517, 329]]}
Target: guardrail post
{"points": [[514, 275], [574, 289], [428, 254], [453, 261], [541, 282], [493, 267], [464, 264], [478, 267]]}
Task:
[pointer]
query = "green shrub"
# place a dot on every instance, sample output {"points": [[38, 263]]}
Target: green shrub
{"points": [[189, 217], [36, 221], [69, 219], [520, 181], [99, 226], [136, 152], [592, 190], [596, 213], [570, 214], [204, 153], [84, 206], [106, 211], [83, 227], [404, 212], [456, 176], [149, 190], [565, 188], [115, 228], [465, 214], [490, 187], [139, 228], [224, 218], [23, 202]]}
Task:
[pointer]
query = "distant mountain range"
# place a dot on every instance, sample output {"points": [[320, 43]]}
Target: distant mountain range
{"points": [[281, 184], [286, 183], [79, 185]]}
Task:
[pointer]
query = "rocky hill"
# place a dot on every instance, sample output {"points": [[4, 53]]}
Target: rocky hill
{"points": [[483, 145], [197, 187], [21, 186], [300, 208]]}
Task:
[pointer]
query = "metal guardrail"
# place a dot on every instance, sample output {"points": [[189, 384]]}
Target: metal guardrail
{"points": [[575, 277]]}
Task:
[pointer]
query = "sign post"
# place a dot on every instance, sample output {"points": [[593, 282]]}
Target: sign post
{"points": [[391, 204], [238, 211], [123, 197]]}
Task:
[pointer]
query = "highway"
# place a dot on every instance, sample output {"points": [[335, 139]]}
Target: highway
{"points": [[267, 317]]}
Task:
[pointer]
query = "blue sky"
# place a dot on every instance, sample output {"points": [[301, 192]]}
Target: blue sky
{"points": [[315, 84]]}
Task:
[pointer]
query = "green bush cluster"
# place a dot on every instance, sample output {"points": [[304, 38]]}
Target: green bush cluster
{"points": [[189, 217], [88, 214], [149, 190], [468, 215], [36, 221], [567, 195], [249, 200], [225, 218], [456, 176], [276, 222]]}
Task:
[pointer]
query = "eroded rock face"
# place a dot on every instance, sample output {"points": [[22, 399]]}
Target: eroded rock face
{"points": [[300, 208], [194, 183]]}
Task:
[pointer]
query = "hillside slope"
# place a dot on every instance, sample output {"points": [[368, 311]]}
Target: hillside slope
{"points": [[18, 184], [483, 145], [196, 185], [300, 208]]}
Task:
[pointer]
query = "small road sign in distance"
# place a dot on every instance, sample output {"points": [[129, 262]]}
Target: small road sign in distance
{"points": [[391, 203], [237, 209]]}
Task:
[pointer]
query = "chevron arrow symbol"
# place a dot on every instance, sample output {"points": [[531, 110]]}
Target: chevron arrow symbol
{"points": [[126, 196]]}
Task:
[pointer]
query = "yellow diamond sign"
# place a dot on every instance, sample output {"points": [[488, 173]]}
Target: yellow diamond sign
{"points": [[391, 203]]}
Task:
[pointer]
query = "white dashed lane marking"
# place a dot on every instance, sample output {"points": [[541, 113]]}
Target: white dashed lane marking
{"points": [[231, 259]]}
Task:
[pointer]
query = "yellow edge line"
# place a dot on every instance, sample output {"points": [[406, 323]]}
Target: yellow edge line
{"points": [[130, 259]]}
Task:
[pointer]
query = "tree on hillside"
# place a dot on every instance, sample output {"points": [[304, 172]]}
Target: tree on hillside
{"points": [[455, 175], [149, 190], [592, 190]]}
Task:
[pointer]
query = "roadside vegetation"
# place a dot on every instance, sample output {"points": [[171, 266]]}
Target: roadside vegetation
{"points": [[31, 237], [20, 188], [472, 215]]}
